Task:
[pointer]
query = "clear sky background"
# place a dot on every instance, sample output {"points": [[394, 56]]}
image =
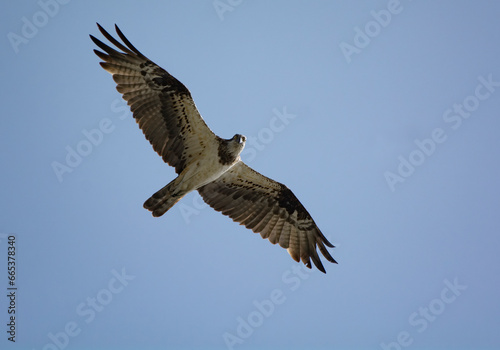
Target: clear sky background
{"points": [[391, 142]]}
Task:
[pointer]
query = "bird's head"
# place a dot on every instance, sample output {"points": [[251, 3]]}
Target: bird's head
{"points": [[238, 143], [241, 139], [230, 149]]}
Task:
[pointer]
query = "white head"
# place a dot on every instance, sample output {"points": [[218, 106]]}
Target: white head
{"points": [[237, 143]]}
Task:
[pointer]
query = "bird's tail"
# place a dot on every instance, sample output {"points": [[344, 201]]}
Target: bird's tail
{"points": [[160, 202]]}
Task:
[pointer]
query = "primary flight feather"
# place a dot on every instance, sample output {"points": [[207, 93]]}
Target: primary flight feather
{"points": [[166, 113]]}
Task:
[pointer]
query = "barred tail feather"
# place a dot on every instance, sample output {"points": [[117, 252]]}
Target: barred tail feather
{"points": [[160, 202]]}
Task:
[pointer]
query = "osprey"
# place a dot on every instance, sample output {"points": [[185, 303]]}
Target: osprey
{"points": [[166, 113]]}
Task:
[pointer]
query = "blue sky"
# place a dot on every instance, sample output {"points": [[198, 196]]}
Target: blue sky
{"points": [[390, 139]]}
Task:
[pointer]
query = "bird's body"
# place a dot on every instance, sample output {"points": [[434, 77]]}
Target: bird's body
{"points": [[165, 111], [208, 168]]}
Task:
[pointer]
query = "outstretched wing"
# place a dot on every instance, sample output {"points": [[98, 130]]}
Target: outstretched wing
{"points": [[161, 105], [269, 208]]}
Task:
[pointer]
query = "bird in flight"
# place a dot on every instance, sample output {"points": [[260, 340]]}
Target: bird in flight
{"points": [[166, 113]]}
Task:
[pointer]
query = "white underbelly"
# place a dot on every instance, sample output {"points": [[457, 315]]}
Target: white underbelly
{"points": [[201, 173]]}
